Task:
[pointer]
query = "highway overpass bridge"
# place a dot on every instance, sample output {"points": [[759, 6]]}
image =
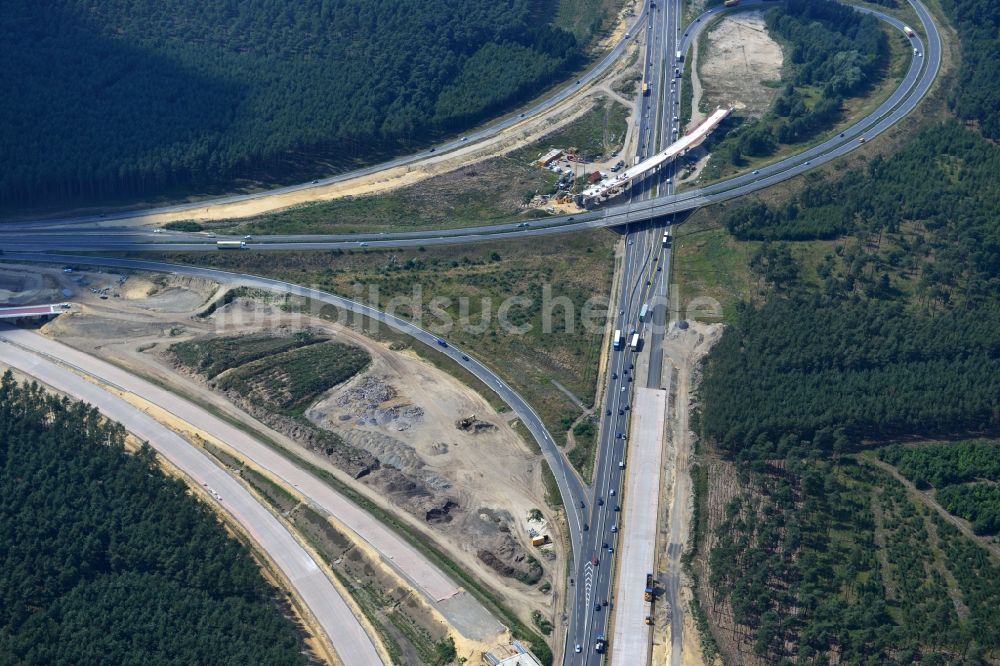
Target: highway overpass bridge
{"points": [[614, 185]]}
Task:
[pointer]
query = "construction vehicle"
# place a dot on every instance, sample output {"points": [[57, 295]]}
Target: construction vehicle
{"points": [[645, 89], [647, 594], [230, 245], [908, 30]]}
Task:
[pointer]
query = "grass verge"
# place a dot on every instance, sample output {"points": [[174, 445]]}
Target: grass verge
{"points": [[533, 312]]}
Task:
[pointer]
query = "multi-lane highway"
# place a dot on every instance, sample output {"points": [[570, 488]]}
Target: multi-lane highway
{"points": [[645, 267], [645, 272], [39, 236], [591, 517]]}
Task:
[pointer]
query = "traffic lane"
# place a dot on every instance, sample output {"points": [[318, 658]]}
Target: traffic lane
{"points": [[605, 518], [570, 487], [583, 613], [641, 249], [558, 97], [342, 628], [72, 241], [931, 53]]}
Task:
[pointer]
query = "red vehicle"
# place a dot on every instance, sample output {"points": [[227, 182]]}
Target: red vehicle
{"points": [[594, 560]]}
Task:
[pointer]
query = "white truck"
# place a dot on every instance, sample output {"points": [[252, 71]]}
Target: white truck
{"points": [[230, 245]]}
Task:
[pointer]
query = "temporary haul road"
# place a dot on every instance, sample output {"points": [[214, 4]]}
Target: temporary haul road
{"points": [[27, 239], [343, 629]]}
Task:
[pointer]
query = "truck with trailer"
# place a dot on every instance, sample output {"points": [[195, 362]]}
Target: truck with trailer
{"points": [[230, 244], [647, 594], [730, 3]]}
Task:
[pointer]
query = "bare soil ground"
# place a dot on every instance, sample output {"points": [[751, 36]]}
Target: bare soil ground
{"points": [[740, 56], [20, 288], [488, 475], [684, 349]]}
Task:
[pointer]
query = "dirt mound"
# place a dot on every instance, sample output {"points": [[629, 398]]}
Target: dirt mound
{"points": [[372, 401], [355, 461], [493, 562], [497, 547], [17, 288]]}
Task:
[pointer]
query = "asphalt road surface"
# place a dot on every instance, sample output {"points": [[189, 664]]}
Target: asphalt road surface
{"points": [[645, 267], [649, 202], [916, 83], [570, 487], [652, 200], [478, 135], [342, 628]]}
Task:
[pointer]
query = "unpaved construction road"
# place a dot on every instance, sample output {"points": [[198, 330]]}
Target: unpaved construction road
{"points": [[685, 349], [334, 615], [473, 621]]}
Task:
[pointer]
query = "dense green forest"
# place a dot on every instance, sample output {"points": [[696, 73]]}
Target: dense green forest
{"points": [[800, 373], [879, 321], [104, 560], [823, 557], [128, 97], [898, 334], [979, 503], [830, 49], [936, 466], [963, 474], [976, 96]]}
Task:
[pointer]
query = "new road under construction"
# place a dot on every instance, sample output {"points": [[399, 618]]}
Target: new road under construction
{"points": [[626, 530], [607, 188]]}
